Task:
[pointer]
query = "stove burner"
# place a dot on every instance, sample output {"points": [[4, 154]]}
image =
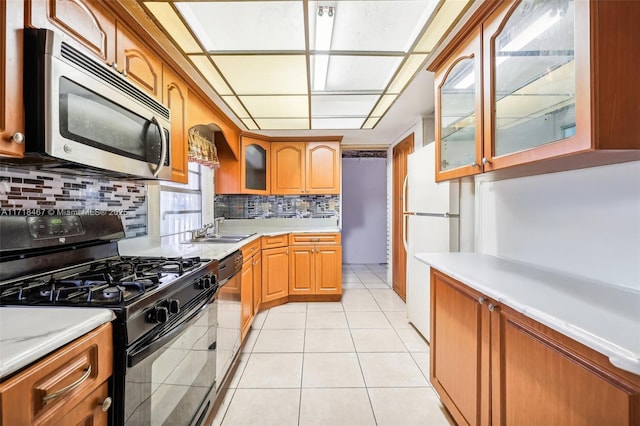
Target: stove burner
{"points": [[112, 292]]}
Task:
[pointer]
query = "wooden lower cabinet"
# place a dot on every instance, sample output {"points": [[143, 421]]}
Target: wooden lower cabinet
{"points": [[82, 366], [493, 365], [257, 283], [246, 295], [315, 270], [275, 274]]}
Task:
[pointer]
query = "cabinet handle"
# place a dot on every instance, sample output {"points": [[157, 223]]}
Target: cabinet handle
{"points": [[69, 388], [123, 72], [475, 164], [106, 404], [491, 307], [485, 161], [114, 65], [481, 300], [18, 137]]}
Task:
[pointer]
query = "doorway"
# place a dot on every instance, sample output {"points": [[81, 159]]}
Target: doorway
{"points": [[399, 255], [364, 201]]}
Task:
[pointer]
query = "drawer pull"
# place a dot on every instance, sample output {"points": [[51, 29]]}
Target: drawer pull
{"points": [[106, 404], [69, 388]]}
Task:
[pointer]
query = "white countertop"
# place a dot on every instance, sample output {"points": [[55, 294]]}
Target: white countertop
{"points": [[601, 316], [179, 245], [29, 333]]}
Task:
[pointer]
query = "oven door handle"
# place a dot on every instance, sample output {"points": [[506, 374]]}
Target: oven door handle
{"points": [[138, 355]]}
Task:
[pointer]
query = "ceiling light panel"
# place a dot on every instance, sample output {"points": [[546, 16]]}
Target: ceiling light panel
{"points": [[342, 105], [236, 106], [371, 122], [406, 73], [445, 17], [246, 26], [373, 25], [277, 106], [264, 74], [283, 123], [383, 105], [211, 74], [170, 20], [360, 73], [337, 123]]}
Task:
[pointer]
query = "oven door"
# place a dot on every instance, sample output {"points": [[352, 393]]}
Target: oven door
{"points": [[170, 377]]}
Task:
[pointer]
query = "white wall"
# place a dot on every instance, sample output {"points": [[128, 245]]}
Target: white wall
{"points": [[584, 222], [364, 219]]}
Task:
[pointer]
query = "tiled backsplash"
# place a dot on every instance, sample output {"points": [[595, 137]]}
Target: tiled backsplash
{"points": [[277, 206], [51, 193]]}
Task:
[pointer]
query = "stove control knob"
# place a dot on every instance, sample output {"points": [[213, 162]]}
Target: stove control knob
{"points": [[205, 283], [173, 306], [158, 314]]}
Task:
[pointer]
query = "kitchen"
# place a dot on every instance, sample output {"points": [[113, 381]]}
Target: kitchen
{"points": [[573, 216]]}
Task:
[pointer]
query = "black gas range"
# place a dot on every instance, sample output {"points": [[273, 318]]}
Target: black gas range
{"points": [[163, 306]]}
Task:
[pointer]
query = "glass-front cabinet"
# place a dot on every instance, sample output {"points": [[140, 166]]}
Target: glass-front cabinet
{"points": [[459, 122], [553, 88], [254, 166], [530, 82]]}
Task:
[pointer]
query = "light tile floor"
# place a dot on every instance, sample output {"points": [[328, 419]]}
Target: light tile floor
{"points": [[354, 362]]}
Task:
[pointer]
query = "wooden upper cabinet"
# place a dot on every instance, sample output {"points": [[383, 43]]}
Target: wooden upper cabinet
{"points": [[140, 64], [254, 166], [323, 168], [458, 123], [288, 168], [11, 103], [558, 86], [88, 23], [176, 99]]}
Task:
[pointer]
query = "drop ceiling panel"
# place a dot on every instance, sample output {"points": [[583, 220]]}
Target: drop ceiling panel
{"points": [[246, 26], [264, 74], [342, 105], [277, 106], [282, 123], [373, 25], [236, 106], [337, 123], [408, 70], [204, 65], [353, 73]]}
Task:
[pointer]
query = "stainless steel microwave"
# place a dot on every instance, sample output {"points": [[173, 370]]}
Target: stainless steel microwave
{"points": [[82, 115]]}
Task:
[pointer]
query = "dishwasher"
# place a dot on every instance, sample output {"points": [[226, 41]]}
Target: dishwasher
{"points": [[229, 315]]}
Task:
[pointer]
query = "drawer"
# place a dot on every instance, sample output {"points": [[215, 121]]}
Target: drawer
{"points": [[51, 387], [250, 249], [274, 241], [315, 239]]}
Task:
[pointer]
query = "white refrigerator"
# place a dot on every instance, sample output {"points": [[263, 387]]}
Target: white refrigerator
{"points": [[431, 223]]}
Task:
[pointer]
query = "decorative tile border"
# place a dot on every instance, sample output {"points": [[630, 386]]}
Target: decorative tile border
{"points": [[24, 190], [276, 206]]}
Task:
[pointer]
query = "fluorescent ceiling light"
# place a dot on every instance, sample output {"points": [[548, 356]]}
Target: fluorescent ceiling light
{"points": [[324, 31]]}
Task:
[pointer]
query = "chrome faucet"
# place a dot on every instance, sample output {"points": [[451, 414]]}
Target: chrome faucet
{"points": [[201, 232], [216, 227]]}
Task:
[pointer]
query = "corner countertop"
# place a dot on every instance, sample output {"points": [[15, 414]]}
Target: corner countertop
{"points": [[179, 244], [602, 316], [29, 333]]}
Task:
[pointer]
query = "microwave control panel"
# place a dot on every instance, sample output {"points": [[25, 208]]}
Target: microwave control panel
{"points": [[41, 227]]}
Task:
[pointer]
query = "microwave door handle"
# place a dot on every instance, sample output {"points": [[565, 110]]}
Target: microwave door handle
{"points": [[163, 153]]}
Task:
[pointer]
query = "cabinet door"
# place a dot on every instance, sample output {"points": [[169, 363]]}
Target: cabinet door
{"points": [[89, 411], [254, 166], [328, 270], [288, 168], [175, 98], [246, 295], [460, 350], [531, 90], [540, 377], [87, 22], [275, 273], [140, 64], [458, 106], [257, 283], [323, 168], [11, 116], [301, 269]]}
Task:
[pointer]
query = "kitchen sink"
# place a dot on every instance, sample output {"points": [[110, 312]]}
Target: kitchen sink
{"points": [[222, 238]]}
